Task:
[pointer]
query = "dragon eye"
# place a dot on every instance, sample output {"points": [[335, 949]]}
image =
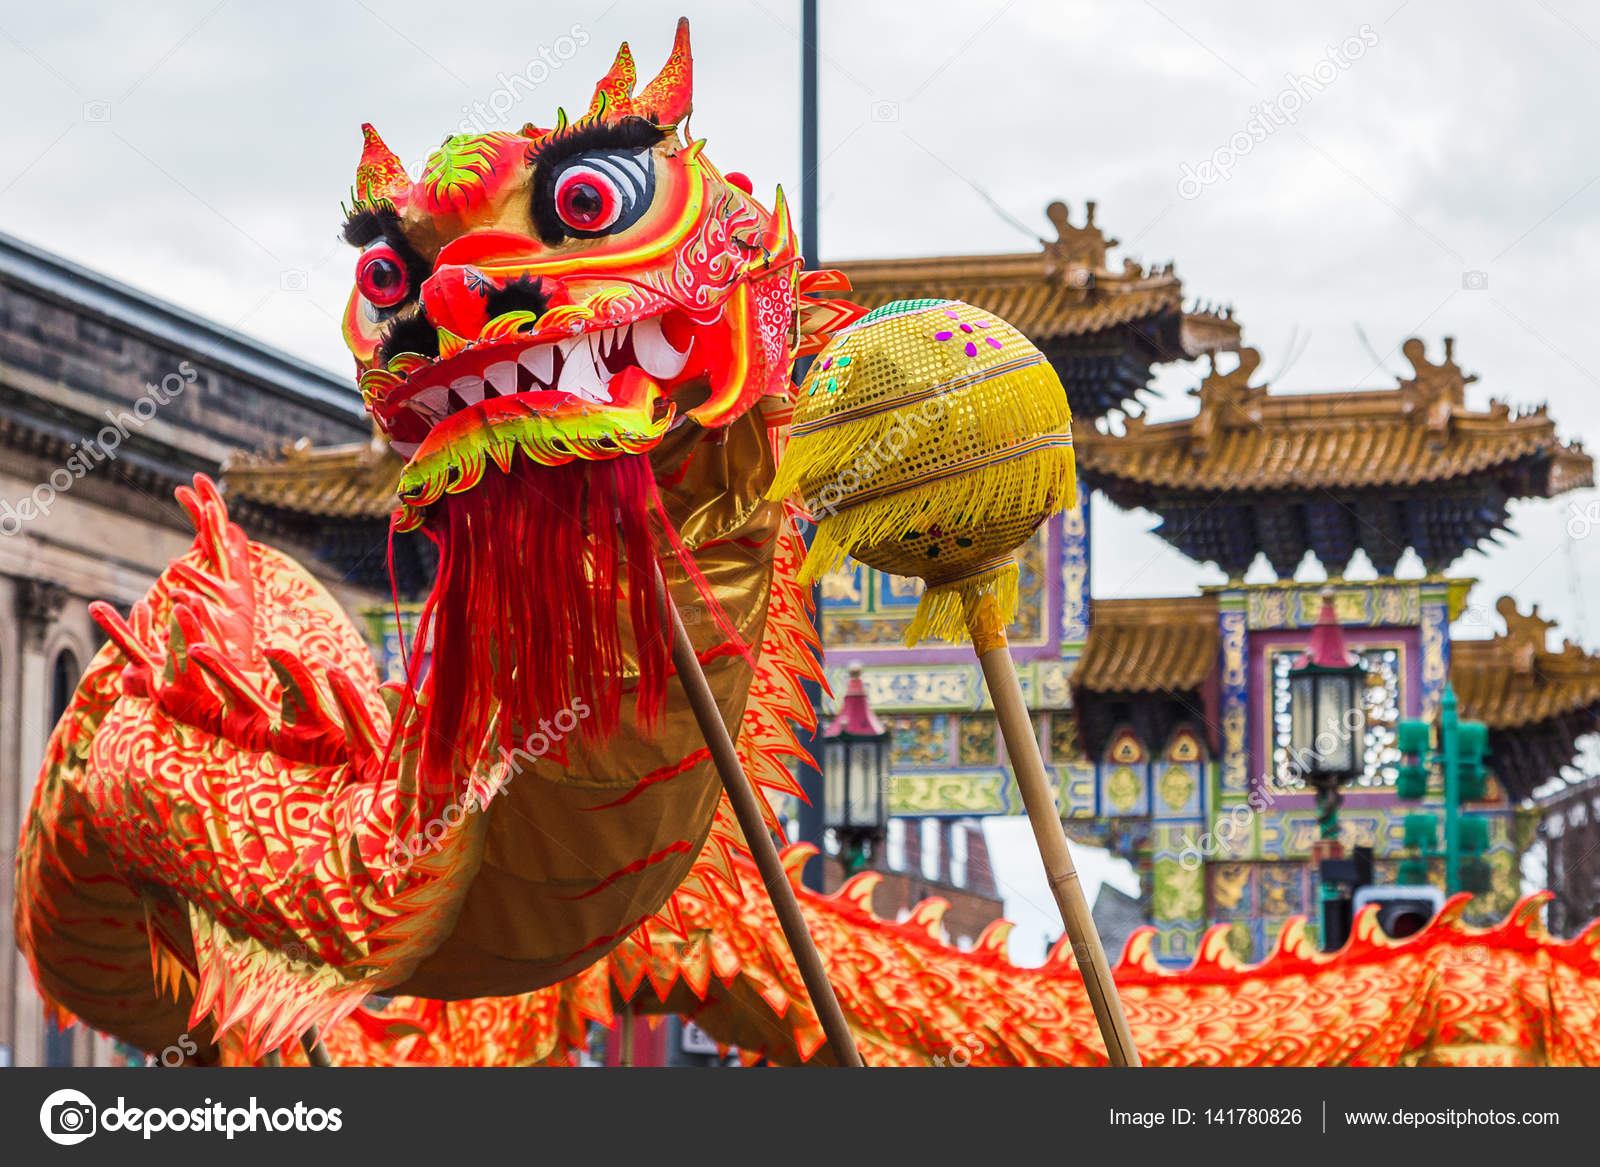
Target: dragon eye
{"points": [[600, 192], [587, 200], [381, 277]]}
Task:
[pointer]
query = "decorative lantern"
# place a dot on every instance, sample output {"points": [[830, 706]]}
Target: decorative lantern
{"points": [[1327, 715], [855, 775]]}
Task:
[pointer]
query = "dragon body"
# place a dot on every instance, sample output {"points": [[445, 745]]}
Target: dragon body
{"points": [[580, 340]]}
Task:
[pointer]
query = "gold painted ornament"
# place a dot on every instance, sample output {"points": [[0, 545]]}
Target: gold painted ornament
{"points": [[930, 439]]}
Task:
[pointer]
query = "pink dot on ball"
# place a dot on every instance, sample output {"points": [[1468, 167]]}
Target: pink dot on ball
{"points": [[972, 349], [943, 335], [966, 328], [993, 343]]}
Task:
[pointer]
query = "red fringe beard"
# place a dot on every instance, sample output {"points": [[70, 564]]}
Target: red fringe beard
{"points": [[535, 566]]}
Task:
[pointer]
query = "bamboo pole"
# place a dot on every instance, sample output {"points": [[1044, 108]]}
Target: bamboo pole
{"points": [[1022, 746], [625, 1035], [316, 1052], [751, 821]]}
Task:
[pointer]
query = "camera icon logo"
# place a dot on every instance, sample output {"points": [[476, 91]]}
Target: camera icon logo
{"points": [[1474, 281], [293, 280], [886, 111], [97, 111], [67, 1117]]}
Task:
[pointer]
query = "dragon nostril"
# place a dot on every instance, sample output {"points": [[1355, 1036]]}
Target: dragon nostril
{"points": [[523, 294], [413, 333]]}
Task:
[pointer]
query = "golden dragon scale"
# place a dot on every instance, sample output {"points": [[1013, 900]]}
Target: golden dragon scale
{"points": [[1452, 995]]}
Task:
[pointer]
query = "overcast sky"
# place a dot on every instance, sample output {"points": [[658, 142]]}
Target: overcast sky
{"points": [[1439, 179]]}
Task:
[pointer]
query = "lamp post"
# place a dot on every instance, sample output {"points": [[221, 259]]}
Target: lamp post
{"points": [[1327, 732], [855, 776], [1327, 717]]}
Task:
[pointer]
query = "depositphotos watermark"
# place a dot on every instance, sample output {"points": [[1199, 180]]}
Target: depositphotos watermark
{"points": [[92, 452], [1275, 112], [552, 732], [871, 458], [959, 1056], [493, 111], [68, 1117], [1235, 825]]}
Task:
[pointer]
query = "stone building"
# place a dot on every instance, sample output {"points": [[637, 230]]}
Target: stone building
{"points": [[109, 399]]}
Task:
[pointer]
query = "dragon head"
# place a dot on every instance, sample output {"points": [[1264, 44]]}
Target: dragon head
{"points": [[571, 293], [531, 316]]}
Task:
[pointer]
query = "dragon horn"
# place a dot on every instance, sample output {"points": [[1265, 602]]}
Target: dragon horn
{"points": [[380, 175], [668, 98], [614, 93]]}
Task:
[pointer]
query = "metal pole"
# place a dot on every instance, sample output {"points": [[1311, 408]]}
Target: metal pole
{"points": [[1448, 722], [810, 777]]}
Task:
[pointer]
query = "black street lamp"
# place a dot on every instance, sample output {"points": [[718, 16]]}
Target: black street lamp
{"points": [[855, 776], [1327, 716]]}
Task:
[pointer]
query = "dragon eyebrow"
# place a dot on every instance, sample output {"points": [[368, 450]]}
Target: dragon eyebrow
{"points": [[629, 133], [367, 223]]}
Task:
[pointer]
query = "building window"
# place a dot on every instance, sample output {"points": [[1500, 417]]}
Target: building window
{"points": [[958, 854], [63, 681], [1383, 702], [930, 848], [896, 844]]}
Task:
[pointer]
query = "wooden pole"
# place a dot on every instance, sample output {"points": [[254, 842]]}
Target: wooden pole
{"points": [[748, 811], [1016, 727], [625, 1035], [316, 1052]]}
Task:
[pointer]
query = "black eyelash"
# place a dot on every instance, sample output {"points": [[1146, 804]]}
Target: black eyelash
{"points": [[629, 133], [367, 223], [411, 334], [551, 155]]}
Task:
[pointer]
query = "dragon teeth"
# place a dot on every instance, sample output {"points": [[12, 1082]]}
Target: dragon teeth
{"points": [[502, 377], [541, 362], [582, 374], [468, 389], [654, 353], [432, 403]]}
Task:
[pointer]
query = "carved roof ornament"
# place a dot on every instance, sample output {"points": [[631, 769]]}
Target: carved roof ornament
{"points": [[1527, 639], [1224, 394], [1084, 246], [1437, 390]]}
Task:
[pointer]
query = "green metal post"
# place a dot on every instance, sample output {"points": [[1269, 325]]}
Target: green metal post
{"points": [[1452, 788]]}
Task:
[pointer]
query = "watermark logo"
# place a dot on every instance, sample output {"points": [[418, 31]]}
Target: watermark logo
{"points": [[92, 452], [550, 734], [67, 1117], [1582, 520], [1281, 109], [1232, 830], [959, 1056]]}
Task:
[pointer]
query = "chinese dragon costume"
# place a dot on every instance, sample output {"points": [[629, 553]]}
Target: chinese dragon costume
{"points": [[580, 340]]}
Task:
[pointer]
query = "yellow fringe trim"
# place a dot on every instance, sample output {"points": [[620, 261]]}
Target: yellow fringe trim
{"points": [[973, 417], [1008, 497], [945, 612]]}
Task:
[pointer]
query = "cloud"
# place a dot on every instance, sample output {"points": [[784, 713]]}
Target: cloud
{"points": [[231, 133]]}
